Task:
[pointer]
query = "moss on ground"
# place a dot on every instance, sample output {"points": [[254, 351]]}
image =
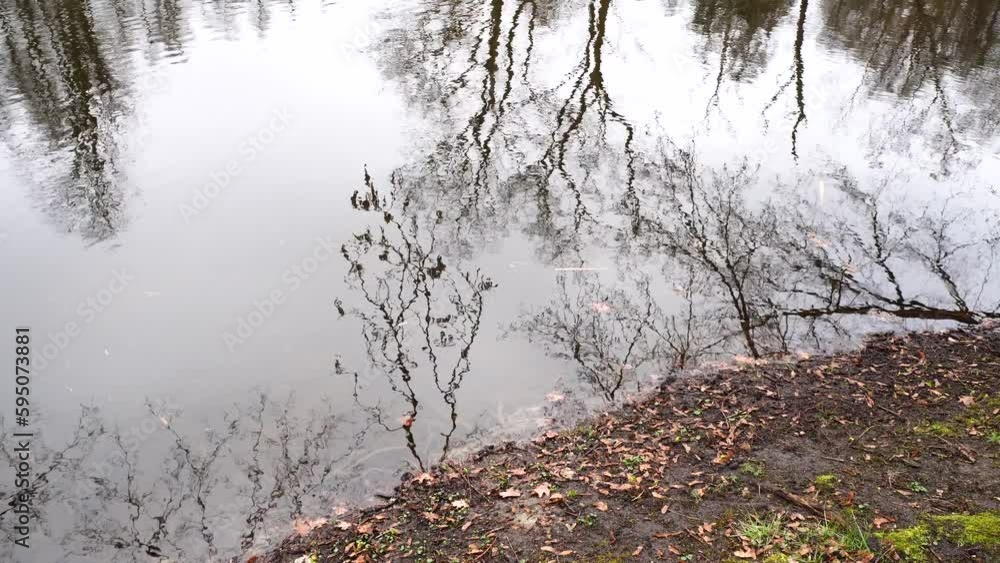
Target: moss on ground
{"points": [[825, 483], [975, 530], [981, 418], [964, 530], [910, 543]]}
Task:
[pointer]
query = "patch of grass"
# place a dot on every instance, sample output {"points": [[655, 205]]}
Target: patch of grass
{"points": [[632, 462], [589, 520], [826, 483], [917, 487], [936, 428], [611, 558], [752, 468], [844, 531], [759, 530], [982, 417]]}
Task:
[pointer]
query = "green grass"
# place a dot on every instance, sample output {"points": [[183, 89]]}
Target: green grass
{"points": [[759, 530], [632, 462], [753, 468]]}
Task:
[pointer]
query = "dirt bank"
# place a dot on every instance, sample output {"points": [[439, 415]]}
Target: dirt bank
{"points": [[889, 453]]}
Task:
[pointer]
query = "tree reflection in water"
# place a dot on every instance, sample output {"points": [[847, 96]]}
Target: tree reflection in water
{"points": [[163, 489], [419, 317]]}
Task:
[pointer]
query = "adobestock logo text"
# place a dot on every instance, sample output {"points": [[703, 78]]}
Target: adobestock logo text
{"points": [[87, 310], [249, 149], [264, 308]]}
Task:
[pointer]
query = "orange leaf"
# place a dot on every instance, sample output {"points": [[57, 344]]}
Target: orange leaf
{"points": [[510, 493]]}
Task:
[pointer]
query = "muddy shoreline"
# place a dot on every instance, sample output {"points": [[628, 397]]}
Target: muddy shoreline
{"points": [[890, 452]]}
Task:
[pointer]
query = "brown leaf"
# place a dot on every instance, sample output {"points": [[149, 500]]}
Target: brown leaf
{"points": [[601, 505], [541, 491], [460, 503], [424, 478], [748, 554], [967, 400], [880, 521], [365, 528], [343, 525], [510, 493], [637, 551], [303, 526]]}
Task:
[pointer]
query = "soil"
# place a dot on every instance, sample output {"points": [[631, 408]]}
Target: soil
{"points": [[806, 459]]}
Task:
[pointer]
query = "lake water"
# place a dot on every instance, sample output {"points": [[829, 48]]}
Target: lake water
{"points": [[273, 254]]}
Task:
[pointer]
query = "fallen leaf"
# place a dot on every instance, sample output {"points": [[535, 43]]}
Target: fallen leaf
{"points": [[881, 521], [541, 490], [601, 505], [304, 526], [967, 400], [748, 554], [343, 525], [424, 478], [525, 520], [550, 549], [460, 503], [510, 493], [637, 551], [366, 528], [600, 307]]}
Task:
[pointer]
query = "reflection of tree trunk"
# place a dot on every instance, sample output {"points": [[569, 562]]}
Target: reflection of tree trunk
{"points": [[589, 90], [799, 72]]}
